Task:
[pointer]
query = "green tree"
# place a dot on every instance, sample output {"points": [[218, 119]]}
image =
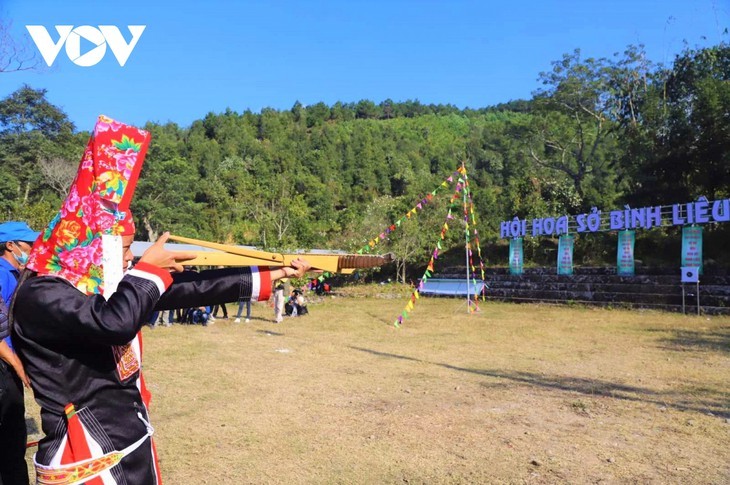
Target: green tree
{"points": [[683, 143], [576, 130], [32, 131]]}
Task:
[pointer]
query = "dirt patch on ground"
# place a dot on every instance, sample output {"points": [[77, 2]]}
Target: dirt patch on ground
{"points": [[512, 394]]}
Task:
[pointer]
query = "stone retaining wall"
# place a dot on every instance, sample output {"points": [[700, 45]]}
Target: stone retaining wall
{"points": [[657, 288]]}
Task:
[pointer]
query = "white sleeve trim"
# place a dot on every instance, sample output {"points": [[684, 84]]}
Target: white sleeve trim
{"points": [[255, 283], [148, 276]]}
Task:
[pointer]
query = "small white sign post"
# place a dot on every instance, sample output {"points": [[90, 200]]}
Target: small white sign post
{"points": [[691, 274]]}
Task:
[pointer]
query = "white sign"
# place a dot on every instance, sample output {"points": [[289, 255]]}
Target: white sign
{"points": [[71, 38], [690, 274]]}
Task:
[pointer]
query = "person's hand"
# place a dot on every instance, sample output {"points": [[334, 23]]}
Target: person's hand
{"points": [[298, 268], [7, 355], [18, 367], [162, 258]]}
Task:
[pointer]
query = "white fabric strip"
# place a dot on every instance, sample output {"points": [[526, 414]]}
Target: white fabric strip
{"points": [[134, 345], [56, 459], [255, 283], [96, 451], [112, 260]]}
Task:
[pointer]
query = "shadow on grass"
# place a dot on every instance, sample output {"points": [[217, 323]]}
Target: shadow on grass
{"points": [[379, 318], [270, 332], [690, 340], [715, 402], [31, 426]]}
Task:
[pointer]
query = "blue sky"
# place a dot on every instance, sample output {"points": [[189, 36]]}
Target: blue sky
{"points": [[195, 57]]}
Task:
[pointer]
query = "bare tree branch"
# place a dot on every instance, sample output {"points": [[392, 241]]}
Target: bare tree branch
{"points": [[58, 174], [16, 55]]}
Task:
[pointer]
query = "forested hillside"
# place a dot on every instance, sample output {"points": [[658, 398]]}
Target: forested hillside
{"points": [[599, 133]]}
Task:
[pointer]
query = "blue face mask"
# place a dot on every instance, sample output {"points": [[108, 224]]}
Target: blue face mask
{"points": [[23, 258]]}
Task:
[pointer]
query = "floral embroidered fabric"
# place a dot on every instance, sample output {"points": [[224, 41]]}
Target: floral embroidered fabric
{"points": [[97, 205]]}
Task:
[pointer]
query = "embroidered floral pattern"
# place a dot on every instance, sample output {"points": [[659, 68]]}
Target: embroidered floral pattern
{"points": [[97, 204], [127, 363]]}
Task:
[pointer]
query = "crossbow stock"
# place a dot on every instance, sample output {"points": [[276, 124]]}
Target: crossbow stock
{"points": [[227, 255]]}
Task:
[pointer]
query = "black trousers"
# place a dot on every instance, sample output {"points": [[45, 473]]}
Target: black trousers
{"points": [[222, 307], [13, 435]]}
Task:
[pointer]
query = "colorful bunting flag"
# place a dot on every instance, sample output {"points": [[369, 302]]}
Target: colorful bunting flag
{"points": [[462, 191]]}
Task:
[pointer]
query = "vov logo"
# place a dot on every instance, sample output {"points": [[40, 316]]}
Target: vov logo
{"points": [[71, 38]]}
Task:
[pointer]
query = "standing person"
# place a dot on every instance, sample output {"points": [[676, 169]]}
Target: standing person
{"points": [[167, 317], [16, 239], [241, 303], [279, 303], [78, 313], [214, 312], [221, 307]]}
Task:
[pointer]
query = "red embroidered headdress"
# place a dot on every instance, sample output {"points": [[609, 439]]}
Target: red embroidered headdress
{"points": [[97, 205]]}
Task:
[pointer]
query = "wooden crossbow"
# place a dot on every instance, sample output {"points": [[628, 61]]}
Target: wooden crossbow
{"points": [[227, 255]]}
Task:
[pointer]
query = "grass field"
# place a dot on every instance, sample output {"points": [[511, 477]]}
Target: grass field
{"points": [[512, 394]]}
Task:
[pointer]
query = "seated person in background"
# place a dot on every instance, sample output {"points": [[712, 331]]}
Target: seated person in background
{"points": [[199, 315], [316, 286], [295, 306]]}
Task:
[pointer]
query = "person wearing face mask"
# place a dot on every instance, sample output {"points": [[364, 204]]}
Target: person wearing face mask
{"points": [[16, 239]]}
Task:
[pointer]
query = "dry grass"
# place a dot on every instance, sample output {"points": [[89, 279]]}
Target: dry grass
{"points": [[514, 394]]}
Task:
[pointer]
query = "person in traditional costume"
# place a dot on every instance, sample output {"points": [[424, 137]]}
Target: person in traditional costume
{"points": [[77, 315]]}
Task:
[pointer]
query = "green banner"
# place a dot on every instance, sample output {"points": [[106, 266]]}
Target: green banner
{"points": [[565, 254], [515, 256], [625, 256], [692, 247]]}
